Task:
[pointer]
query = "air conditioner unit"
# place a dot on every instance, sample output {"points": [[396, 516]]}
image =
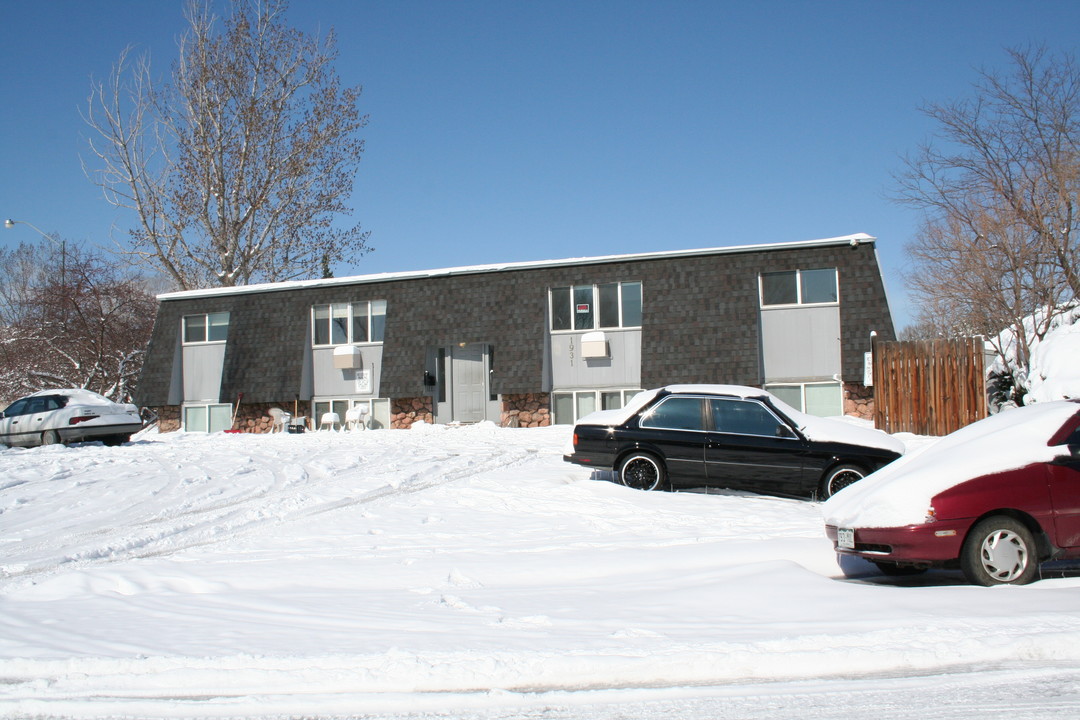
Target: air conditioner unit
{"points": [[594, 345], [347, 357]]}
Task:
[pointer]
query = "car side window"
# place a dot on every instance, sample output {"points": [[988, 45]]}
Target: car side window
{"points": [[52, 402], [746, 417], [19, 407], [674, 413], [37, 405]]}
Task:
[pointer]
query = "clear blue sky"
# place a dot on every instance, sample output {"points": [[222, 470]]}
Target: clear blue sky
{"points": [[510, 131]]}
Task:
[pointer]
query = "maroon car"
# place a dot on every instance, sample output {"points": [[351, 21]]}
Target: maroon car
{"points": [[994, 499]]}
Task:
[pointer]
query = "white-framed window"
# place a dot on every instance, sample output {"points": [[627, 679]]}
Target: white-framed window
{"points": [[592, 307], [824, 399], [348, 323], [569, 406], [211, 417], [377, 416], [206, 328], [800, 287]]}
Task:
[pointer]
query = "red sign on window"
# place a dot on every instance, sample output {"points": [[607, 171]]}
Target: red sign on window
{"points": [[583, 308]]}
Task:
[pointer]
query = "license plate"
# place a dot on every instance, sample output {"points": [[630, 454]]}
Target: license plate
{"points": [[845, 538]]}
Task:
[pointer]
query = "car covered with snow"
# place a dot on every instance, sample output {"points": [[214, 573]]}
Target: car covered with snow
{"points": [[728, 436], [50, 417], [995, 499]]}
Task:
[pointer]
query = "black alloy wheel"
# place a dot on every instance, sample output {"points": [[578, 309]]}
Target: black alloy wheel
{"points": [[642, 471], [839, 477]]}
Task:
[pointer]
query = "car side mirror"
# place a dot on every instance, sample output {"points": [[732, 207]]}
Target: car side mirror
{"points": [[1072, 457]]}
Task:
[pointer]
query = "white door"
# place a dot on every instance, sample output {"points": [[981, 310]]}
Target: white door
{"points": [[469, 377]]}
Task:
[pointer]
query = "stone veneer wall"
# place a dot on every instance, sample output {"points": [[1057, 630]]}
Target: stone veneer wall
{"points": [[256, 418], [253, 418], [859, 401], [168, 417], [526, 410], [405, 411]]}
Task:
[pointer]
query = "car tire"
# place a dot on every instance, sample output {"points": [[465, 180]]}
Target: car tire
{"points": [[642, 471], [999, 550], [893, 570], [839, 477], [51, 437]]}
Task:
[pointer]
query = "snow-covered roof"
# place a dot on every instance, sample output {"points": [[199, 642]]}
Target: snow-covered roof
{"points": [[855, 239], [900, 493]]}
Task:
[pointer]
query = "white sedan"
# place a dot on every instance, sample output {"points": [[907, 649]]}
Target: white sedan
{"points": [[49, 417]]}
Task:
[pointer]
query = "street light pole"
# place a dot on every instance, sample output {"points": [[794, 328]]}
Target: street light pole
{"points": [[9, 223]]}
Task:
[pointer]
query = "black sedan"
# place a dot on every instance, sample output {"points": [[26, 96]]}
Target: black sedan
{"points": [[728, 436]]}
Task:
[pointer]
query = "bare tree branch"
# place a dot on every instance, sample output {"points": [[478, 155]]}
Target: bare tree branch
{"points": [[86, 328], [999, 185], [237, 165]]}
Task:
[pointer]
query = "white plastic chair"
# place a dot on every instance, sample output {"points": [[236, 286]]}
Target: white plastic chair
{"points": [[331, 419], [280, 419], [356, 418]]}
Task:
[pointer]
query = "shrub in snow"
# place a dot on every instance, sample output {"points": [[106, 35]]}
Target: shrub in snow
{"points": [[1037, 362]]}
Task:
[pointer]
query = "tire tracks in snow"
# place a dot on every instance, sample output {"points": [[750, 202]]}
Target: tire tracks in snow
{"points": [[291, 494]]}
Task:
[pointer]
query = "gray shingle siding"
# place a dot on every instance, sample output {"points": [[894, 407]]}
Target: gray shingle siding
{"points": [[700, 321]]}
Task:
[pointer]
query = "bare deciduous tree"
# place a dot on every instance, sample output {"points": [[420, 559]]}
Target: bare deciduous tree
{"points": [[86, 328], [1000, 186], [236, 166]]}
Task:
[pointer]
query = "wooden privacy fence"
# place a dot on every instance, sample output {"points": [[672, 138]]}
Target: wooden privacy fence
{"points": [[929, 387]]}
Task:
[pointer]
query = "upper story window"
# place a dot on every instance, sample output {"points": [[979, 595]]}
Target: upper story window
{"points": [[349, 323], [800, 287], [206, 328], [591, 307]]}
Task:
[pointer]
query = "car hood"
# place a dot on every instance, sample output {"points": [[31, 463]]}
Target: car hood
{"points": [[828, 430], [900, 493]]}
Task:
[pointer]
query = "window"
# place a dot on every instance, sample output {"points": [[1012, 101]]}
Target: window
{"points": [[675, 413], [347, 323], [746, 417], [378, 414], [588, 307], [570, 406], [824, 399], [208, 328], [207, 418], [19, 407], [799, 287]]}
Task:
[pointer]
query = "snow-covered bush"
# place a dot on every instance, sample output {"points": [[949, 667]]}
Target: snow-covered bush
{"points": [[1038, 362]]}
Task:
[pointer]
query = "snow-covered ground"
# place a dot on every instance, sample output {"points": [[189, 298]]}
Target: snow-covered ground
{"points": [[470, 573]]}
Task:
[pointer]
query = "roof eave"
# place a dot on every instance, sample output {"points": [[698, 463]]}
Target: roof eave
{"points": [[854, 240]]}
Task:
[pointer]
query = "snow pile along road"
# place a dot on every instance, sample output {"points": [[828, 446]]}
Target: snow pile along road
{"points": [[447, 570]]}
